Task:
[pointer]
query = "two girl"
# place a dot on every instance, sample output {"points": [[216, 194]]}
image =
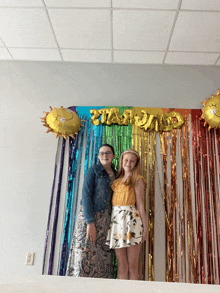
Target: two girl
{"points": [[89, 254]]}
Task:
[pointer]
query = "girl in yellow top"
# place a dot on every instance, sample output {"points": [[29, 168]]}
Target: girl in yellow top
{"points": [[128, 227]]}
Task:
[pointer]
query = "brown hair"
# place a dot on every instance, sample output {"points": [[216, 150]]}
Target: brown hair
{"points": [[109, 146], [135, 172]]}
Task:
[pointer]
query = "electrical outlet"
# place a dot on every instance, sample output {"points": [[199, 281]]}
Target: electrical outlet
{"points": [[30, 259]]}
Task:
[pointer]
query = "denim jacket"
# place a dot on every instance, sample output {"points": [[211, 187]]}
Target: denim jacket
{"points": [[95, 192]]}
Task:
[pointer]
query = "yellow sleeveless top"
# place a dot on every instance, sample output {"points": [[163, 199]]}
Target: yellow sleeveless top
{"points": [[123, 195]]}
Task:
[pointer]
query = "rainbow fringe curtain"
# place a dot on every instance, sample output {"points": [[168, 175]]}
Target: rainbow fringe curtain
{"points": [[191, 200], [183, 163], [120, 137], [72, 161], [145, 144]]}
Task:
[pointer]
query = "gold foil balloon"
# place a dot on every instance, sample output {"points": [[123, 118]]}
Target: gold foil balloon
{"points": [[211, 111], [104, 112], [140, 121], [114, 116], [149, 119], [96, 114], [169, 123], [128, 114], [159, 122], [150, 123], [62, 122], [179, 117]]}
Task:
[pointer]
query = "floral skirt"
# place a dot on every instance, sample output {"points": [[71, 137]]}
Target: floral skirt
{"points": [[126, 227]]}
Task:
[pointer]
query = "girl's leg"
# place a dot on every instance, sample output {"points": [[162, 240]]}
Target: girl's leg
{"points": [[122, 261], [133, 253]]}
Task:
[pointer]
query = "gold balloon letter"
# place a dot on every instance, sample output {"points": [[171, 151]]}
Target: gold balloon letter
{"points": [[114, 116], [104, 113], [95, 116], [149, 122], [141, 121], [167, 122], [128, 115], [179, 117]]}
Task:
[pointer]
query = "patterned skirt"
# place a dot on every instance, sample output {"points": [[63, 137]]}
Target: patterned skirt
{"points": [[126, 227], [86, 259]]}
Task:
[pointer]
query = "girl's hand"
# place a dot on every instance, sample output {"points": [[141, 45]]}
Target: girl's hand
{"points": [[91, 232], [144, 235], [140, 192]]}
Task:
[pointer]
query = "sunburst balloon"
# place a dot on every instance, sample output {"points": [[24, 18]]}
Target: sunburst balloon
{"points": [[62, 122], [211, 111]]}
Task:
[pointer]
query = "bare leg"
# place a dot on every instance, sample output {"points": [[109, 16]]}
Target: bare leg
{"points": [[122, 261], [133, 253]]}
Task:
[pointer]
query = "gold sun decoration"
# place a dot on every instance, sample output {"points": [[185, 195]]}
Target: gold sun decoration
{"points": [[62, 122], [211, 111]]}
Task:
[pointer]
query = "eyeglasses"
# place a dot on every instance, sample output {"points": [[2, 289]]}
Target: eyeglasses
{"points": [[106, 153]]}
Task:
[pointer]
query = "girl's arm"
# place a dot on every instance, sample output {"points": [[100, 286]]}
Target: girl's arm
{"points": [[87, 202], [87, 195], [139, 192]]}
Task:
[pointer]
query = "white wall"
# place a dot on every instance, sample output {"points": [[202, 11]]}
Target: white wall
{"points": [[27, 153]]}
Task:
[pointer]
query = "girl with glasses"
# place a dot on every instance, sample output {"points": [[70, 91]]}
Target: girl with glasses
{"points": [[128, 227], [89, 255]]}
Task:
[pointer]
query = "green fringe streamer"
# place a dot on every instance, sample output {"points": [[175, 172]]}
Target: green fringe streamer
{"points": [[120, 137]]}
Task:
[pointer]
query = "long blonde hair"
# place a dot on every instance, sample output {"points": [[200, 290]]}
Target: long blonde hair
{"points": [[135, 172]]}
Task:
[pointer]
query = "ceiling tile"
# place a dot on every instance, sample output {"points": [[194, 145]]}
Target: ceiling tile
{"points": [[200, 5], [78, 3], [35, 54], [196, 31], [4, 54], [141, 30], [81, 29], [21, 3], [159, 4], [187, 58], [103, 56], [25, 28], [138, 57]]}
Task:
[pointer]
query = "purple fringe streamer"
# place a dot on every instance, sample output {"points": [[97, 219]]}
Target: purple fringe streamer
{"points": [[50, 269], [50, 208]]}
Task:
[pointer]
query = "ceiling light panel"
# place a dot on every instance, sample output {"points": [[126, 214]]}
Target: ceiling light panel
{"points": [[196, 31], [200, 5], [35, 54], [141, 30], [98, 56], [4, 54], [23, 3], [25, 28], [139, 57], [150, 4], [81, 29], [78, 3], [187, 58]]}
